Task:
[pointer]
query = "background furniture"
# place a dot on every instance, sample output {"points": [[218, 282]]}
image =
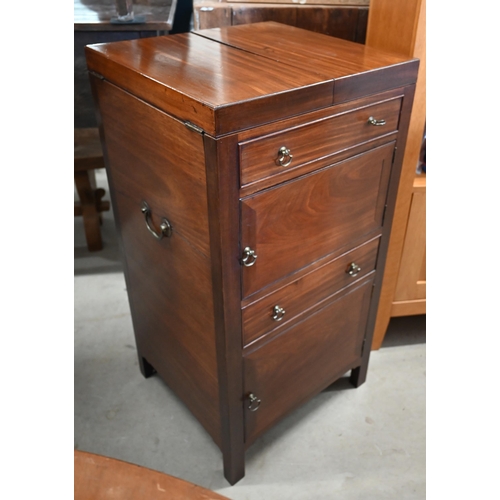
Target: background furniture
{"points": [[400, 28], [105, 478], [92, 24], [253, 172], [88, 158], [345, 19]]}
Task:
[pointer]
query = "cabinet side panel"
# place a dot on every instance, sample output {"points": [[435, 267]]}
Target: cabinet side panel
{"points": [[154, 158]]}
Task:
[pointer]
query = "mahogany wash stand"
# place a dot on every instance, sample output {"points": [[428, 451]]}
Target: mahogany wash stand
{"points": [[253, 172]]}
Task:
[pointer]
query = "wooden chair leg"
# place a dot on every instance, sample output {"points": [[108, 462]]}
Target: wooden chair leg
{"points": [[89, 208]]}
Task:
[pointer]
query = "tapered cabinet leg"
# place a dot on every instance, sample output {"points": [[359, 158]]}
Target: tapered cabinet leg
{"points": [[234, 466], [358, 375], [147, 370]]}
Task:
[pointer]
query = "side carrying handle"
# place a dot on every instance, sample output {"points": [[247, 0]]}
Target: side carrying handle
{"points": [[165, 226]]}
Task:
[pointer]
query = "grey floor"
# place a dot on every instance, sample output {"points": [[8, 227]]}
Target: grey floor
{"points": [[365, 443]]}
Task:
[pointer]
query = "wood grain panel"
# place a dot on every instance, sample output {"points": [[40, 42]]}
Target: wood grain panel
{"points": [[328, 57], [194, 79], [305, 219], [327, 344], [313, 141], [168, 277], [307, 291]]}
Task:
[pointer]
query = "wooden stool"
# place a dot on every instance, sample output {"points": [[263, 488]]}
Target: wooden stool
{"points": [[104, 478], [88, 157]]}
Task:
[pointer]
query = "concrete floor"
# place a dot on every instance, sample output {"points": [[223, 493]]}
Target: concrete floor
{"points": [[346, 443]]}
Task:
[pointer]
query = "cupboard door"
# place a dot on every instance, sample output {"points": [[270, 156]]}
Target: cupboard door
{"points": [[306, 358], [294, 224]]}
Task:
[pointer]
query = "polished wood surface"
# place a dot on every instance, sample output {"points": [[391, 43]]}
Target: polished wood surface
{"points": [[222, 89], [258, 158], [326, 208], [384, 31], [190, 292], [306, 292], [156, 159], [97, 477], [96, 15], [279, 371]]}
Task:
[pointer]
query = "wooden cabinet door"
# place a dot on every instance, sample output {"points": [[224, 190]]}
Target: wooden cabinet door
{"points": [[305, 358], [296, 223]]}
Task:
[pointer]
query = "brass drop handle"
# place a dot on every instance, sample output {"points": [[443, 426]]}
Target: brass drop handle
{"points": [[249, 257], [377, 123], [254, 402], [165, 226], [353, 269], [284, 157], [279, 312]]}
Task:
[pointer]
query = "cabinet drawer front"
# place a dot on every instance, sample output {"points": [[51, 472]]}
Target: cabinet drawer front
{"points": [[266, 314], [260, 158], [296, 223], [326, 344]]}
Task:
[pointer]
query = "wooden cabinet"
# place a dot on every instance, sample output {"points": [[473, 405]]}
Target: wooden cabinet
{"points": [[345, 19], [253, 173]]}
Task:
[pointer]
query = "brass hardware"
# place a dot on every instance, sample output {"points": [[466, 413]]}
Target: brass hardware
{"points": [[279, 312], [165, 226], [249, 257], [353, 269], [283, 154], [377, 123], [254, 402]]}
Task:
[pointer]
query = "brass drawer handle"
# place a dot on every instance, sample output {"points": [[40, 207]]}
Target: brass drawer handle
{"points": [[254, 402], [377, 123], [249, 257], [279, 312], [353, 269], [283, 154], [165, 226]]}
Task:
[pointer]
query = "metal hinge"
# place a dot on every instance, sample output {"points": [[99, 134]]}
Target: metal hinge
{"points": [[394, 153], [363, 346], [194, 128]]}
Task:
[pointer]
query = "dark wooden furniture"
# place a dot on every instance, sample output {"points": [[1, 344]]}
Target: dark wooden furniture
{"points": [[104, 478], [253, 172], [345, 19], [88, 158], [92, 24]]}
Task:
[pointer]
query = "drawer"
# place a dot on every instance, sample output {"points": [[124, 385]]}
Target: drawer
{"points": [[279, 308], [298, 222], [261, 158], [326, 344]]}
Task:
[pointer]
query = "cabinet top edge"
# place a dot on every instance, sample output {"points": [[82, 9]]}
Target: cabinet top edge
{"points": [[271, 65]]}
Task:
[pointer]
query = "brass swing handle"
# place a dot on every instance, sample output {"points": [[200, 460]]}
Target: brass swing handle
{"points": [[353, 269], [284, 157], [249, 257], [254, 402], [278, 313], [377, 123], [165, 226]]}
